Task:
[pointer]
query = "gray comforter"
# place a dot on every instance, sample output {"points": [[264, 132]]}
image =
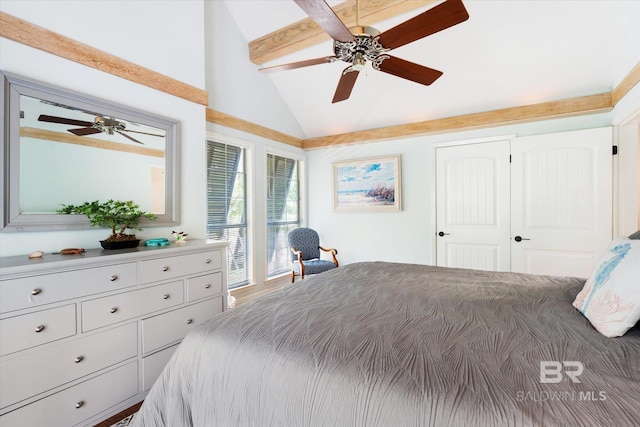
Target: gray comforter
{"points": [[384, 344]]}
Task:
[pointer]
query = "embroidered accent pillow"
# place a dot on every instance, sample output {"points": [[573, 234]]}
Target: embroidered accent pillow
{"points": [[610, 298]]}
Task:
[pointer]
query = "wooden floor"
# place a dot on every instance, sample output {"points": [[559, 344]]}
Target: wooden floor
{"points": [[117, 417]]}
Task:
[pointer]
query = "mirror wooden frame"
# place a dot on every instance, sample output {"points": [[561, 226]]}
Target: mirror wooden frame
{"points": [[11, 220]]}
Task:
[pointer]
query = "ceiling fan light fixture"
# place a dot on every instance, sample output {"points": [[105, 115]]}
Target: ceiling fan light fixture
{"points": [[358, 62], [365, 47]]}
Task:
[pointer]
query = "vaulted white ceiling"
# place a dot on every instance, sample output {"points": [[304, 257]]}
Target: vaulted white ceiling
{"points": [[509, 53]]}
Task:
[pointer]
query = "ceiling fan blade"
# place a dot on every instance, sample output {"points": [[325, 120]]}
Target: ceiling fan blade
{"points": [[299, 64], [130, 137], [345, 86], [325, 17], [64, 121], [441, 17], [84, 131], [409, 70], [142, 133]]}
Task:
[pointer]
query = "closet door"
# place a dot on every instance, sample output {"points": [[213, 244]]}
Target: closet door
{"points": [[561, 201], [472, 192]]}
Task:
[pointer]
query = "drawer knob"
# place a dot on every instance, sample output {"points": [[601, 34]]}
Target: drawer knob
{"points": [[79, 404], [165, 296], [36, 291], [207, 286], [165, 268], [113, 278], [39, 328], [79, 359], [208, 261], [189, 321], [113, 309]]}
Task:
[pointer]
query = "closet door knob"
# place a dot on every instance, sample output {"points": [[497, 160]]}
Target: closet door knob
{"points": [[520, 239], [442, 233], [39, 328]]}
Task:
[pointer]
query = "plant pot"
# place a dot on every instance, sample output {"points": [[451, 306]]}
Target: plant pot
{"points": [[122, 244]]}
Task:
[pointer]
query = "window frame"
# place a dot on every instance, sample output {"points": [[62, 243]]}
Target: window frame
{"points": [[249, 195], [300, 159]]}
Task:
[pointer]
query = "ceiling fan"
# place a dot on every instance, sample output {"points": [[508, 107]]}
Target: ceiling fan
{"points": [[108, 125], [360, 44]]}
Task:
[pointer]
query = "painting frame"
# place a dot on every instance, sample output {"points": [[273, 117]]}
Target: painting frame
{"points": [[372, 184]]}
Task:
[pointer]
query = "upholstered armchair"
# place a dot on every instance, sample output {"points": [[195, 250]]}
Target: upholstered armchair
{"points": [[305, 253]]}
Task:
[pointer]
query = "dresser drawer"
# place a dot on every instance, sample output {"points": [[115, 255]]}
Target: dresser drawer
{"points": [[172, 326], [169, 268], [39, 371], [78, 403], [26, 292], [116, 308], [204, 286], [153, 365], [30, 330]]}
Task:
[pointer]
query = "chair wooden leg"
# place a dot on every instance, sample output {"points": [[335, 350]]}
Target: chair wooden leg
{"points": [[293, 276]]}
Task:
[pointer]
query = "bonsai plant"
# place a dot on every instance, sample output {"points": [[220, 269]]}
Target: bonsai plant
{"points": [[116, 214]]}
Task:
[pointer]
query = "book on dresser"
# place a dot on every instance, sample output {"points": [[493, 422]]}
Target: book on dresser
{"points": [[83, 337]]}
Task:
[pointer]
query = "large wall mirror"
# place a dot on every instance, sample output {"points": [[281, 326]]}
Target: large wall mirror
{"points": [[62, 147]]}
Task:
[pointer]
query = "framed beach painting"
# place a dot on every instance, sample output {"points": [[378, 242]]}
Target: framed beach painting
{"points": [[372, 184]]}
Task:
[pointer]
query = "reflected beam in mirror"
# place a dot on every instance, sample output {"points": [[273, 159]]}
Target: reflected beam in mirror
{"points": [[47, 135]]}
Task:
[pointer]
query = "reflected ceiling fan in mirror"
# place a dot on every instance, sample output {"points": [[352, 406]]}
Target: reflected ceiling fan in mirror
{"points": [[360, 44], [101, 124]]}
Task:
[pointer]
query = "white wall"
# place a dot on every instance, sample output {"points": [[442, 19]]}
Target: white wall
{"points": [[234, 86], [627, 174], [167, 37], [406, 236], [629, 52]]}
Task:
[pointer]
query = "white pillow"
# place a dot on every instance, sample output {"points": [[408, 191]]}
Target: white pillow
{"points": [[610, 298]]}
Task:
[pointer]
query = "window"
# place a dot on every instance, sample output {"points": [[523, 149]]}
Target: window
{"points": [[226, 206], [283, 211]]}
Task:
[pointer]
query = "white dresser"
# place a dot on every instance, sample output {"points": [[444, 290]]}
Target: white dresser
{"points": [[83, 337]]}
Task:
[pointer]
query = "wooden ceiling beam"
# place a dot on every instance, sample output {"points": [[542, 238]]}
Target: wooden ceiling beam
{"points": [[307, 33], [233, 122], [542, 111], [628, 83], [21, 31]]}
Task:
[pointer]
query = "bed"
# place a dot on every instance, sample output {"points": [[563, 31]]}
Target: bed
{"points": [[389, 344]]}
